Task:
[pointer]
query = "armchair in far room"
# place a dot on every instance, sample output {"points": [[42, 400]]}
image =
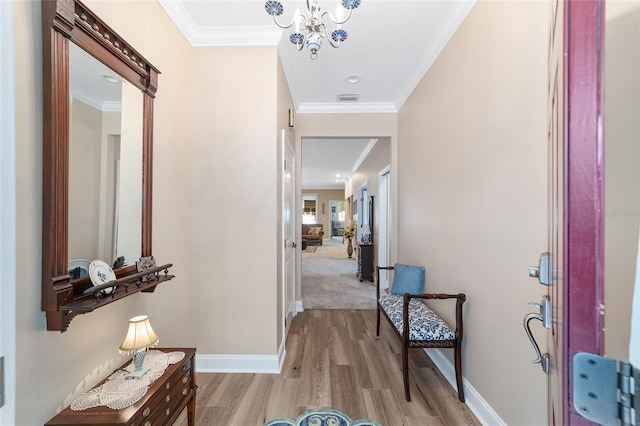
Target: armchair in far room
{"points": [[313, 233]]}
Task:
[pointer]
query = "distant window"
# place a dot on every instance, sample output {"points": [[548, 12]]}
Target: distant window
{"points": [[309, 203]]}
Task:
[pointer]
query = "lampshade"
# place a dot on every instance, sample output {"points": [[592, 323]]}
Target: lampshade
{"points": [[139, 336], [366, 230]]}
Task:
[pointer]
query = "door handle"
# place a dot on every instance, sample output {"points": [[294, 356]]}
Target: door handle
{"points": [[541, 272], [545, 311], [293, 244], [543, 360]]}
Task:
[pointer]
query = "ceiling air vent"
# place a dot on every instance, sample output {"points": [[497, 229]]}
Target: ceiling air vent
{"points": [[348, 98]]}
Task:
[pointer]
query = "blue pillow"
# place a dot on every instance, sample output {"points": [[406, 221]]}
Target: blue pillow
{"points": [[407, 279]]}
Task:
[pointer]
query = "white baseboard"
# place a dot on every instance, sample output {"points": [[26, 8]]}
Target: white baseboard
{"points": [[482, 410], [299, 307], [265, 364]]}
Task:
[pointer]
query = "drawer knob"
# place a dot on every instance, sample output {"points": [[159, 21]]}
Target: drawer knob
{"points": [[147, 423], [167, 411], [184, 391], [146, 411], [184, 368], [168, 385], [167, 398], [185, 379]]}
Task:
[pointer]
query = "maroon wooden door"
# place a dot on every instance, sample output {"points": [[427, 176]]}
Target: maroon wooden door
{"points": [[576, 195]]}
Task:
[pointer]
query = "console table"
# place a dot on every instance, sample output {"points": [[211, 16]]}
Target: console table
{"points": [[365, 261], [161, 405]]}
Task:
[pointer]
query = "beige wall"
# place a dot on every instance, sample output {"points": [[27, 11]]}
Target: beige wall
{"points": [[622, 168], [472, 165], [129, 239], [323, 197], [368, 172], [85, 150], [235, 193], [54, 367], [377, 159], [111, 124]]}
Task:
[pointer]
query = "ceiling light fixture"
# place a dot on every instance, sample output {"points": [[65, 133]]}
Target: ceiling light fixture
{"points": [[110, 78], [314, 23], [353, 79]]}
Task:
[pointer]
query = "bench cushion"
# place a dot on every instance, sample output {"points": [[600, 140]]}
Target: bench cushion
{"points": [[424, 324]]}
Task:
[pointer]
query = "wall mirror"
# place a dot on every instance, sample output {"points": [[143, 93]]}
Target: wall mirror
{"points": [[105, 163], [98, 94]]}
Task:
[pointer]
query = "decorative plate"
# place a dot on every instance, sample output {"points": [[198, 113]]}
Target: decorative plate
{"points": [[79, 268], [101, 273]]}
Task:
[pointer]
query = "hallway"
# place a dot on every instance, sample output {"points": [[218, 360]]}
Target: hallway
{"points": [[334, 359], [329, 279]]}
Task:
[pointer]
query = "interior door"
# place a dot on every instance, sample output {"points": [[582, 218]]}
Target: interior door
{"points": [[384, 219], [576, 170], [288, 230]]}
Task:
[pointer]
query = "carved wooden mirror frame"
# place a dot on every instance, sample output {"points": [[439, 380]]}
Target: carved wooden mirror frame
{"points": [[64, 22]]}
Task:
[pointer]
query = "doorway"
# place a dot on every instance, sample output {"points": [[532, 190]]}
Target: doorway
{"points": [[338, 217]]}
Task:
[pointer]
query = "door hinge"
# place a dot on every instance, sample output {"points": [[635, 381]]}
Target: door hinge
{"points": [[604, 389]]}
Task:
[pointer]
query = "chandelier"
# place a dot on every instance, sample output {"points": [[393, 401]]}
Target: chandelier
{"points": [[311, 28]]}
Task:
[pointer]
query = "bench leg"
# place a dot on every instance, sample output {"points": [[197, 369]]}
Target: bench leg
{"points": [[458, 362], [378, 322], [405, 371]]}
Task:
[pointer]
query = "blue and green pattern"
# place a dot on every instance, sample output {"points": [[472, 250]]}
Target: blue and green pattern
{"points": [[320, 417]]}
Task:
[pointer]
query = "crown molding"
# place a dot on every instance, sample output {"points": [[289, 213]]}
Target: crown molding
{"points": [[236, 36], [219, 36], [342, 108], [448, 28], [97, 103], [365, 152]]}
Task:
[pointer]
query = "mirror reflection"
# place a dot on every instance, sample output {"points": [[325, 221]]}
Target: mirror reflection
{"points": [[105, 165]]}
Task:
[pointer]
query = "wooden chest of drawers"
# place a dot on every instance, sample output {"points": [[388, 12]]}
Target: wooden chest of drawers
{"points": [[365, 261], [161, 405]]}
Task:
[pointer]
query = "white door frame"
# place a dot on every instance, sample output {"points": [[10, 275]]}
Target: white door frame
{"points": [[362, 204], [288, 238], [383, 216], [7, 211]]}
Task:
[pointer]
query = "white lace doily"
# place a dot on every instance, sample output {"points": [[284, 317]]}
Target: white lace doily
{"points": [[118, 392]]}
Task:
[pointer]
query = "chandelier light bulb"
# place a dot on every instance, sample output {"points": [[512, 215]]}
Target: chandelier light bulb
{"points": [[311, 27]]}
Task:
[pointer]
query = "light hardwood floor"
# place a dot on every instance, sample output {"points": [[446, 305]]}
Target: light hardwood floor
{"points": [[334, 359]]}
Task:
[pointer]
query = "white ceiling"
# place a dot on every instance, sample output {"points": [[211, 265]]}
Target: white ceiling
{"points": [[390, 46], [88, 83], [328, 162]]}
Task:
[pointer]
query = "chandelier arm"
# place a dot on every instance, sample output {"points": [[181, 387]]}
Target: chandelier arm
{"points": [[335, 21], [332, 43], [293, 21], [327, 37]]}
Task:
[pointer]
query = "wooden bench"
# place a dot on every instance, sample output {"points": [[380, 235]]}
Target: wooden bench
{"points": [[420, 327]]}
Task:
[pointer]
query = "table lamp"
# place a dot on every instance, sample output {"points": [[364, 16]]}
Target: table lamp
{"points": [[140, 336]]}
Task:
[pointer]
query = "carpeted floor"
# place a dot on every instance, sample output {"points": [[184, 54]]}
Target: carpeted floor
{"points": [[329, 279]]}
